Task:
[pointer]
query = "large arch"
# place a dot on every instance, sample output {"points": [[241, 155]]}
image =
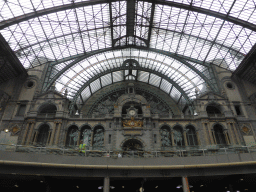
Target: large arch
{"points": [[120, 88]]}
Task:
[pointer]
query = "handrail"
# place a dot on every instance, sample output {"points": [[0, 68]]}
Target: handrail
{"points": [[200, 151]]}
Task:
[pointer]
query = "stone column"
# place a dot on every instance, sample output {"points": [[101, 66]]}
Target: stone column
{"points": [[66, 134], [226, 137], [205, 133], [58, 133], [106, 186], [210, 133], [25, 134], [185, 138], [173, 144], [231, 133], [48, 138], [30, 132], [35, 139], [91, 138], [53, 132], [236, 133], [185, 185], [214, 138], [198, 138], [78, 138]]}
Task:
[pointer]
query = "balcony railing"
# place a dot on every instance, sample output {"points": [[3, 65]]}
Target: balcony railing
{"points": [[101, 151]]}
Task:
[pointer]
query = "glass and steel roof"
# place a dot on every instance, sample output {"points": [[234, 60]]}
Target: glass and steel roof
{"points": [[86, 42]]}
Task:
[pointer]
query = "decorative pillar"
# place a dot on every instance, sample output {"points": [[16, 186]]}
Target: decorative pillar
{"points": [[58, 133], [233, 142], [91, 138], [30, 132], [35, 139], [226, 137], [78, 138], [210, 133], [185, 185], [173, 144], [233, 125], [106, 186], [205, 133], [66, 133], [25, 134], [214, 138], [185, 138], [48, 138], [198, 138], [53, 132]]}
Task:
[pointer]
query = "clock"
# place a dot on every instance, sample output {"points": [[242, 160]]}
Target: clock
{"points": [[132, 112]]}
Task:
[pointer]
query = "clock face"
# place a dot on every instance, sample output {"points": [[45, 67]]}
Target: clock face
{"points": [[132, 112]]}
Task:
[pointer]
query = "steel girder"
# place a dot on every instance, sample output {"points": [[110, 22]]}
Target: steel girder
{"points": [[174, 56], [184, 94], [28, 16]]}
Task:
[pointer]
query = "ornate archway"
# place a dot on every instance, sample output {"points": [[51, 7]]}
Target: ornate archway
{"points": [[132, 145]]}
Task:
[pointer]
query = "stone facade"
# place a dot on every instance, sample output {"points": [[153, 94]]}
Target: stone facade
{"points": [[25, 109]]}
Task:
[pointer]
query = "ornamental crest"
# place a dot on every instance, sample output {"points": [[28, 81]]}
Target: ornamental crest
{"points": [[132, 123]]}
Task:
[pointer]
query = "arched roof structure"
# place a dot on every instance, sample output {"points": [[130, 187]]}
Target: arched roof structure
{"points": [[85, 43]]}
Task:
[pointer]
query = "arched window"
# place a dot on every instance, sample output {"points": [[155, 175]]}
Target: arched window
{"points": [[213, 110], [49, 109], [219, 135], [178, 136], [166, 138], [72, 136], [43, 134], [191, 136], [98, 136], [86, 135]]}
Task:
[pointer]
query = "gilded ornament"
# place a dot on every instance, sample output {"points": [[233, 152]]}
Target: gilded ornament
{"points": [[132, 123]]}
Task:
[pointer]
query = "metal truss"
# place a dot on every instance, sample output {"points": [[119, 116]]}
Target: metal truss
{"points": [[78, 94], [28, 16], [182, 59]]}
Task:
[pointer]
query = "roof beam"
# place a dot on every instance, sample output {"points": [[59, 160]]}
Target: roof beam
{"points": [[82, 57], [111, 23], [130, 17], [91, 53], [15, 20], [225, 17], [151, 22]]}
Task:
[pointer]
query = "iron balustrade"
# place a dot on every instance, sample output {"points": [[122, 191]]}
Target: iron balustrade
{"points": [[101, 151]]}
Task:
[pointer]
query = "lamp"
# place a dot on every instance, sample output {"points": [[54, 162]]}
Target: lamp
{"points": [[6, 130]]}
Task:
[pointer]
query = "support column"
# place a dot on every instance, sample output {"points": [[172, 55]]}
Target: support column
{"points": [[106, 186], [58, 133], [173, 144], [48, 138], [25, 134], [66, 134], [233, 142], [78, 138], [30, 132], [35, 139], [53, 133], [198, 138], [185, 185], [185, 138], [236, 133], [210, 134], [214, 138], [226, 137], [205, 133], [91, 138]]}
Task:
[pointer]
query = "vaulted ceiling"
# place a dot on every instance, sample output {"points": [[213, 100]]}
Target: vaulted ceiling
{"points": [[91, 44]]}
